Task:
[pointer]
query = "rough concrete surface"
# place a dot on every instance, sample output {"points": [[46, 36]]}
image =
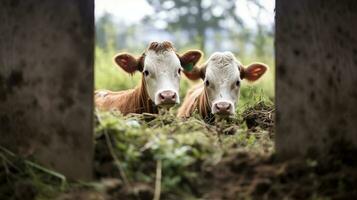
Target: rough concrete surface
{"points": [[316, 95], [46, 82]]}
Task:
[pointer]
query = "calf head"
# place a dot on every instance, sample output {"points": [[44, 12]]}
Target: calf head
{"points": [[222, 75], [161, 68]]}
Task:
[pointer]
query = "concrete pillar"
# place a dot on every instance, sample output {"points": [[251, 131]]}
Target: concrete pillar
{"points": [[46, 82], [316, 85]]}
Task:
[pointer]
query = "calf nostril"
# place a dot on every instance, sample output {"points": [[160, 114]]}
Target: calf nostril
{"points": [[217, 106], [162, 97], [174, 96], [228, 106]]}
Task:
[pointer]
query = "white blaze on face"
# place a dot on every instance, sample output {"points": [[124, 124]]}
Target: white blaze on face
{"points": [[222, 82], [162, 75]]}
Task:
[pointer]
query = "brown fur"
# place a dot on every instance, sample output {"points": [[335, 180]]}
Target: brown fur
{"points": [[242, 72], [161, 47], [133, 100], [137, 100], [128, 101], [196, 99]]}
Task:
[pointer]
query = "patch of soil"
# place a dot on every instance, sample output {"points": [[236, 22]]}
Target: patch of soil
{"points": [[261, 115], [82, 195], [248, 176], [245, 175]]}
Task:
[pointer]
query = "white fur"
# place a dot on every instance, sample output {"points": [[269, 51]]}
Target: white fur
{"points": [[102, 93], [222, 72], [163, 73]]}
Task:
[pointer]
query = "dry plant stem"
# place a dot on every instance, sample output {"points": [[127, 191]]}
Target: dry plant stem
{"points": [[116, 159], [7, 171], [158, 181]]}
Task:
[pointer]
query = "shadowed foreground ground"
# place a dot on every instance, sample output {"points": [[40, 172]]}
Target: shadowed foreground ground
{"points": [[140, 157]]}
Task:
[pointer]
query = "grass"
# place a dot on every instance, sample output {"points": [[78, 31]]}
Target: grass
{"points": [[108, 75], [24, 179], [182, 146], [133, 146]]}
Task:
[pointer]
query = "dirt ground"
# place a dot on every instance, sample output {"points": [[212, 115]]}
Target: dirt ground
{"points": [[247, 176], [243, 174]]}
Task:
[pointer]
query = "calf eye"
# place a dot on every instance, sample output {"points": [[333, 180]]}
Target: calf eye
{"points": [[179, 71], [146, 72], [238, 83], [207, 83]]}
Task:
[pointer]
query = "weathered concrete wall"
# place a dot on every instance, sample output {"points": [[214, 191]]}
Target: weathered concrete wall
{"points": [[46, 82], [316, 86]]}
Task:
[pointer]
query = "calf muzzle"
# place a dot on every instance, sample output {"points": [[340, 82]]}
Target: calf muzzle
{"points": [[222, 108], [167, 97]]}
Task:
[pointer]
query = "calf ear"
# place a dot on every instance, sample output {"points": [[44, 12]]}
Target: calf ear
{"points": [[189, 59], [196, 73], [188, 62], [127, 62], [253, 72]]}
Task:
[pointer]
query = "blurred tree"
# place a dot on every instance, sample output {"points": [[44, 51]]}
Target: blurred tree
{"points": [[194, 16], [263, 34], [106, 32], [261, 39]]}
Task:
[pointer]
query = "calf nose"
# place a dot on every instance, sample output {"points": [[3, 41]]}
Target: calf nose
{"points": [[223, 107], [167, 97]]}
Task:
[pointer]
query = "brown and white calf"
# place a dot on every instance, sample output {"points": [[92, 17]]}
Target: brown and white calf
{"points": [[222, 75], [161, 67]]}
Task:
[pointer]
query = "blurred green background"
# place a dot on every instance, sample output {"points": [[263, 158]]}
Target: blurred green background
{"points": [[245, 27]]}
